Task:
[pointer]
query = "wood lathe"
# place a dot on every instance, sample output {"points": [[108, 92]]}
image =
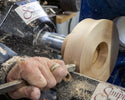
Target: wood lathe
{"points": [[92, 46]]}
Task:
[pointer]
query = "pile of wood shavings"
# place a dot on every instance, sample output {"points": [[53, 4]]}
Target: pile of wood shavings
{"points": [[79, 88]]}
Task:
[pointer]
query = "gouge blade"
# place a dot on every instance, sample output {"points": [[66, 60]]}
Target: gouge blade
{"points": [[11, 86]]}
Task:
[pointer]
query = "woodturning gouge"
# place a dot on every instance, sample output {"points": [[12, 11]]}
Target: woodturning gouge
{"points": [[14, 85], [82, 87]]}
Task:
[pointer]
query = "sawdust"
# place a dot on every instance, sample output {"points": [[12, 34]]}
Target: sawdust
{"points": [[24, 46], [80, 88]]}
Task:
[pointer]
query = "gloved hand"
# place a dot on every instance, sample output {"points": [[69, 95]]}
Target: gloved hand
{"points": [[36, 72]]}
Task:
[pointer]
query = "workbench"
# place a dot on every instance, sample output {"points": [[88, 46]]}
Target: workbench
{"points": [[66, 22]]}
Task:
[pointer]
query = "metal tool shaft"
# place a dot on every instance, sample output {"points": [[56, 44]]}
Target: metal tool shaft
{"points": [[11, 86]]}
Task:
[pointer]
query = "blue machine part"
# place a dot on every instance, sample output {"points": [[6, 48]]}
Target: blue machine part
{"points": [[99, 9], [5, 53], [118, 75], [48, 95]]}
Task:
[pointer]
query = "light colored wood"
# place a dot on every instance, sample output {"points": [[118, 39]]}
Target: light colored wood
{"points": [[93, 46], [63, 18]]}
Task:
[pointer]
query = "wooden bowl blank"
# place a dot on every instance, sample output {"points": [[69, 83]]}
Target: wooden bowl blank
{"points": [[93, 46]]}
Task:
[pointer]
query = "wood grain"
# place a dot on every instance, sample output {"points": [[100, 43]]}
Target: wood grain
{"points": [[93, 46]]}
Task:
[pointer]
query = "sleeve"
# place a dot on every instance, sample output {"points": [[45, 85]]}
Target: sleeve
{"points": [[6, 67], [7, 60], [102, 9]]}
